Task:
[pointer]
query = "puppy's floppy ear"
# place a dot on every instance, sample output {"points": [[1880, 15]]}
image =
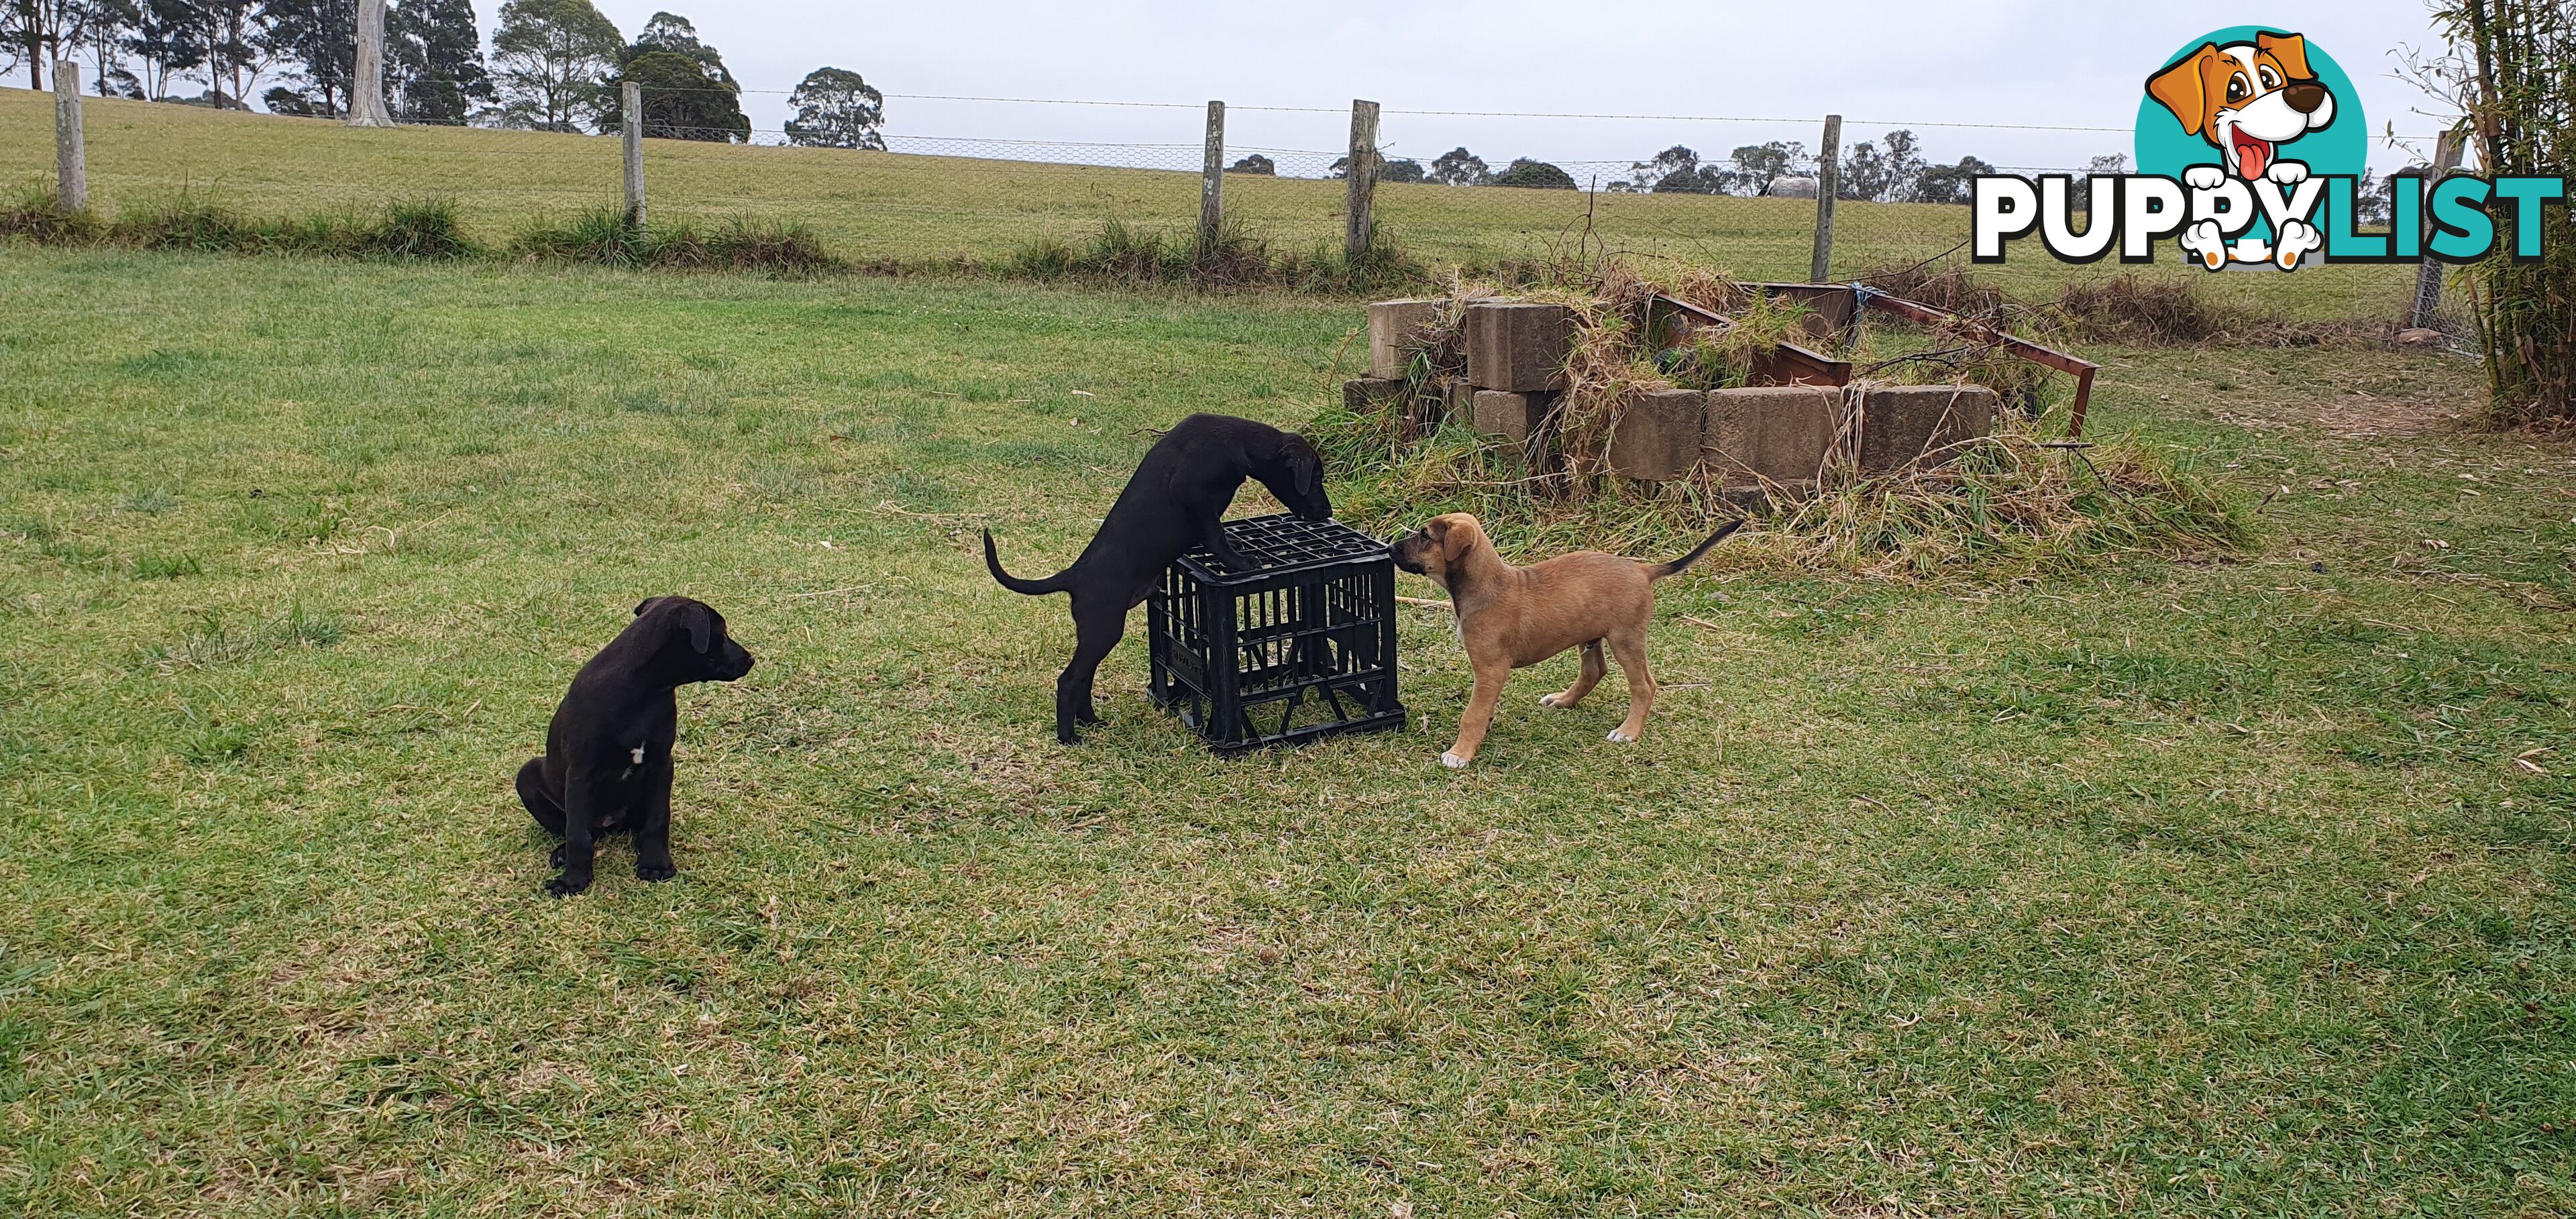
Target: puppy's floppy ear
{"points": [[2184, 90], [2290, 49], [1307, 464], [701, 622], [1455, 539]]}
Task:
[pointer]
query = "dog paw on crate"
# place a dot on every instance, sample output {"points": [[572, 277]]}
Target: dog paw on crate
{"points": [[1175, 501]]}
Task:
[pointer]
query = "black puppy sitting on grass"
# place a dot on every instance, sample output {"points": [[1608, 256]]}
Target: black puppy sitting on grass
{"points": [[1176, 499], [607, 767]]}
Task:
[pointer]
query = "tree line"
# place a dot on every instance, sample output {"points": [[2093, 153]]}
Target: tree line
{"points": [[553, 65], [1889, 171]]}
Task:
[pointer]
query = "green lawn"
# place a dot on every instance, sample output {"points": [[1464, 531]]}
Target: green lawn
{"points": [[2210, 889], [916, 210]]}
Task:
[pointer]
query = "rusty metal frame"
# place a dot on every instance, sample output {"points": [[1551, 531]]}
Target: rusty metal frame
{"points": [[1866, 298], [1788, 364], [2045, 357], [1795, 365]]}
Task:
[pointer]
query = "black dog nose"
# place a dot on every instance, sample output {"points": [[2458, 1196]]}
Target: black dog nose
{"points": [[2305, 97]]}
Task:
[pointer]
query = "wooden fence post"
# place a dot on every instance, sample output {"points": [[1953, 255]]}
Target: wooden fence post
{"points": [[367, 93], [71, 166], [632, 97], [2428, 277], [1829, 182], [1212, 194], [1363, 183]]}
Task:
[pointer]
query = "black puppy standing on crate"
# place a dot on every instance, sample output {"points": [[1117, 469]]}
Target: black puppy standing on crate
{"points": [[1176, 499], [607, 767]]}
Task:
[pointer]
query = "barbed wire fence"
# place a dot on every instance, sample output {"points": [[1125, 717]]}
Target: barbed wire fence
{"points": [[934, 194]]}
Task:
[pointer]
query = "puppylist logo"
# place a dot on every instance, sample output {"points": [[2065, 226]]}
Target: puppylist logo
{"points": [[2252, 152]]}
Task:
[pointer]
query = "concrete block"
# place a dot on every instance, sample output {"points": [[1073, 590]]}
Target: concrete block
{"points": [[1395, 331], [1658, 436], [1361, 395], [1518, 347], [1769, 435], [1901, 424], [1509, 415]]}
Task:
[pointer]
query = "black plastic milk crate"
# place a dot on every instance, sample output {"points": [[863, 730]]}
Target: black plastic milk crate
{"points": [[1300, 648]]}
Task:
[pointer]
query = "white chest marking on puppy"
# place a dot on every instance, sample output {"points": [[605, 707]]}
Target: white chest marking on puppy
{"points": [[638, 751]]}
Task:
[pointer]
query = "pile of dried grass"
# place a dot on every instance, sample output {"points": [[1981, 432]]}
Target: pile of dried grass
{"points": [[2145, 312], [2011, 503], [2123, 308], [1609, 366], [1944, 285]]}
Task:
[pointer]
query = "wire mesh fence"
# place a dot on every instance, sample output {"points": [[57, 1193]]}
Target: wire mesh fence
{"points": [[939, 194]]}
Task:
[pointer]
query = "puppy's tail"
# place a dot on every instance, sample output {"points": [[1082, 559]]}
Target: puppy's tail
{"points": [[1033, 588], [1676, 567]]}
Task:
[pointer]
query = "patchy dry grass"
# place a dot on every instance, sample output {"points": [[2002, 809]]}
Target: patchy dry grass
{"points": [[2154, 889]]}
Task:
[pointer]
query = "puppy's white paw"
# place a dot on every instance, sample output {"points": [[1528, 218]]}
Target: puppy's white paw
{"points": [[2203, 177], [2287, 173], [1547, 700], [2205, 240], [1619, 737], [1453, 761], [2297, 238]]}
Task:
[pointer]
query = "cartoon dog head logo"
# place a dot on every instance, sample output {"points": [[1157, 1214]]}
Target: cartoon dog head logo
{"points": [[2251, 121], [2247, 99]]}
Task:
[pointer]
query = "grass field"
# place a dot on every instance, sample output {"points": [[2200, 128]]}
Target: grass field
{"points": [[918, 210], [2213, 889]]}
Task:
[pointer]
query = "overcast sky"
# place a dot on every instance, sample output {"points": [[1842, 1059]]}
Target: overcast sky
{"points": [[1883, 63]]}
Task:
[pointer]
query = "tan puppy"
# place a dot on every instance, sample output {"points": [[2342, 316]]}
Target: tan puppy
{"points": [[1514, 617]]}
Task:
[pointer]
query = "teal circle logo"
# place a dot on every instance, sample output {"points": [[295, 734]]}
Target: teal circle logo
{"points": [[2249, 97]]}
